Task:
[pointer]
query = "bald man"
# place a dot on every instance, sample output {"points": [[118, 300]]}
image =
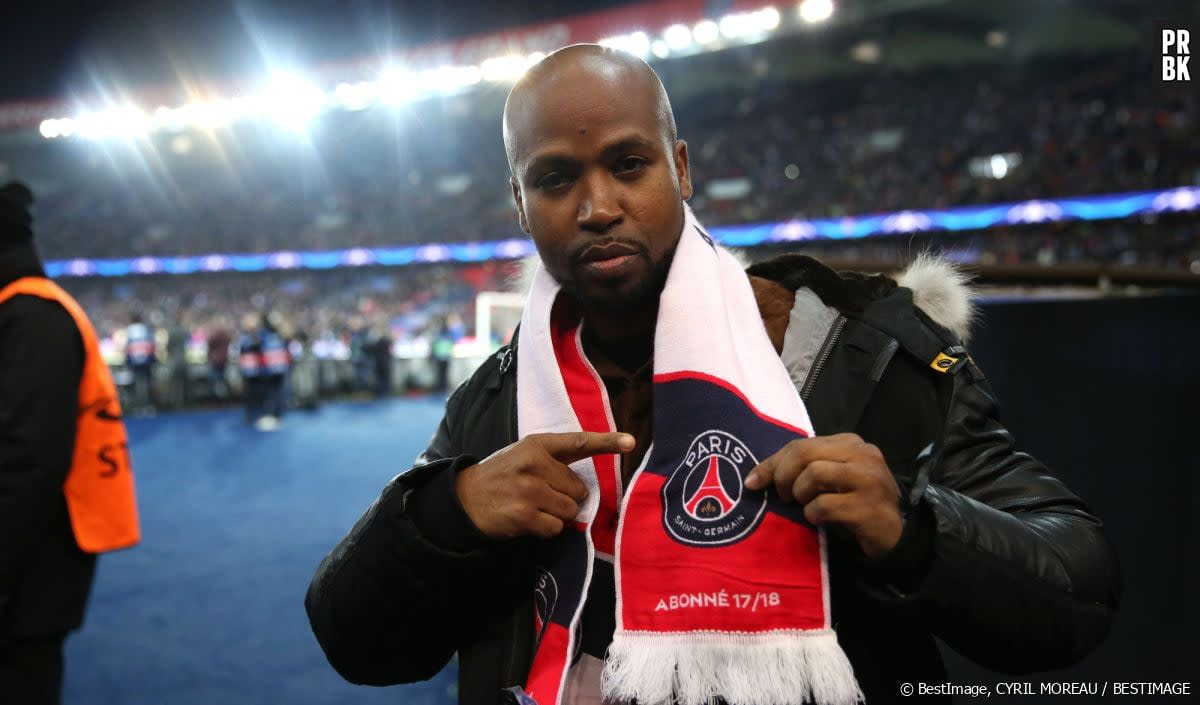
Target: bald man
{"points": [[975, 543]]}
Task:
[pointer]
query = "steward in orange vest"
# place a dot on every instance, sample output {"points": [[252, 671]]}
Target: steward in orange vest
{"points": [[66, 488]]}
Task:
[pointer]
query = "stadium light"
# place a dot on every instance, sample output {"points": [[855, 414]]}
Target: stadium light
{"points": [[504, 69], [448, 79], [636, 43], [746, 24], [397, 86], [213, 114], [769, 18], [356, 96], [816, 11], [706, 32], [165, 117], [678, 36], [291, 101], [123, 121]]}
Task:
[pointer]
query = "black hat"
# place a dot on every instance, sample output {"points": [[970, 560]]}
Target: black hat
{"points": [[15, 218]]}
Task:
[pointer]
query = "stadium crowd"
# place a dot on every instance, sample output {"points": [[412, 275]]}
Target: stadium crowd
{"points": [[435, 171], [336, 313]]}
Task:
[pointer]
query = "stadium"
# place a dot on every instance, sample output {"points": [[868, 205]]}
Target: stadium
{"points": [[293, 229]]}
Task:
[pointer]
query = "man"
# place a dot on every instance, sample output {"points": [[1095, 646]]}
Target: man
{"points": [[141, 355], [936, 525], [66, 492], [219, 340], [179, 380]]}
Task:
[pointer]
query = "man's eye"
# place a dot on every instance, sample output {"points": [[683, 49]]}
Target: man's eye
{"points": [[629, 165], [552, 181]]}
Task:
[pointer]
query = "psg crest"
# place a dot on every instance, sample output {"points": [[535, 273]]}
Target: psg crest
{"points": [[704, 501]]}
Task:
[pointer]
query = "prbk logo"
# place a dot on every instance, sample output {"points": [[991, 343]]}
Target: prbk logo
{"points": [[1175, 56], [704, 501]]}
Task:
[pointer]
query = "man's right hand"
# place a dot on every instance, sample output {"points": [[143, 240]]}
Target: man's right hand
{"points": [[527, 488]]}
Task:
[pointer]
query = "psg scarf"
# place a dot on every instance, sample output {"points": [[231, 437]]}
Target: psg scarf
{"points": [[722, 592]]}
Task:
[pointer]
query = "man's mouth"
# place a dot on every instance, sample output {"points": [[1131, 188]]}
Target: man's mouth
{"points": [[609, 264], [608, 252]]}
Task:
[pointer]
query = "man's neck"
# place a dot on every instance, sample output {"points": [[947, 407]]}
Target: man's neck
{"points": [[626, 338], [613, 327]]}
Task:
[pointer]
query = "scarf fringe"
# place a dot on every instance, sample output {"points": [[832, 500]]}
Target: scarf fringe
{"points": [[742, 669]]}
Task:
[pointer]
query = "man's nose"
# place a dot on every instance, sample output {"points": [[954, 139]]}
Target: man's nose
{"points": [[599, 207]]}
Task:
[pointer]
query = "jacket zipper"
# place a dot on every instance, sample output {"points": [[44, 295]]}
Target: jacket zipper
{"points": [[835, 332]]}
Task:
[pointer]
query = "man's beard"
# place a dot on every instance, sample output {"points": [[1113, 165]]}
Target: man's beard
{"points": [[644, 294]]}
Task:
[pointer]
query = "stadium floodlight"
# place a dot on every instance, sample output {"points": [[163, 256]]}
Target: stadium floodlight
{"points": [[165, 117], [637, 43], [768, 18], [213, 114], [123, 121], [660, 49], [678, 36], [816, 11], [49, 129], [504, 69], [397, 86], [749, 24], [291, 100], [356, 96], [735, 25], [448, 79], [706, 32]]}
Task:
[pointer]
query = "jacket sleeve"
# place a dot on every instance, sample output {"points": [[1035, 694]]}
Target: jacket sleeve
{"points": [[405, 587], [1019, 575], [41, 362]]}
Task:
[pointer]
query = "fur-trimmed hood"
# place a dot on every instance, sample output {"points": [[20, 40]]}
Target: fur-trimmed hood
{"points": [[943, 292]]}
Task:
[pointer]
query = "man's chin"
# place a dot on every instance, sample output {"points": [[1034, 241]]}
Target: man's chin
{"points": [[636, 299]]}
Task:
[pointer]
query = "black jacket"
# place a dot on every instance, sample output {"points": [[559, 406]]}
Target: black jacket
{"points": [[44, 576], [998, 557]]}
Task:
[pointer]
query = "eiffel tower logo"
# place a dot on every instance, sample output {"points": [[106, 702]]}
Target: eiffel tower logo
{"points": [[710, 501]]}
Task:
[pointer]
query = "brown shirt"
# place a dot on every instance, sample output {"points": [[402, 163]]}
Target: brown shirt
{"points": [[627, 369]]}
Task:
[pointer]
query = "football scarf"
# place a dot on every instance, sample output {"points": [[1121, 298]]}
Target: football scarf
{"points": [[722, 592]]}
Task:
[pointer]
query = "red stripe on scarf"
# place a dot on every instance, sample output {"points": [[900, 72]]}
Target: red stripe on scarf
{"points": [[549, 665], [589, 398]]}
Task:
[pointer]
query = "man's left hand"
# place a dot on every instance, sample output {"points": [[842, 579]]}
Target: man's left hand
{"points": [[840, 480]]}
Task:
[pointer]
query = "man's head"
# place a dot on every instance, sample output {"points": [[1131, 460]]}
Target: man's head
{"points": [[598, 174]]}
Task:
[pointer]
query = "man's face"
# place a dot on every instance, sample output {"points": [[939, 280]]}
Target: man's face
{"points": [[600, 188]]}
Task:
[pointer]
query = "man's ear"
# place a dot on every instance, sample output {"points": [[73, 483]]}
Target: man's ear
{"points": [[683, 168], [516, 191]]}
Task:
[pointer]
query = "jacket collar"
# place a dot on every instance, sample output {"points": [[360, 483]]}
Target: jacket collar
{"points": [[18, 261], [849, 292]]}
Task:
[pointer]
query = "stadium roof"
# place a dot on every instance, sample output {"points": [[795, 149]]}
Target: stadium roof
{"points": [[122, 52]]}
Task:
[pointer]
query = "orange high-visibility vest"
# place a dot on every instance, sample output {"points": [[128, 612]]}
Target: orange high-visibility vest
{"points": [[99, 487]]}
